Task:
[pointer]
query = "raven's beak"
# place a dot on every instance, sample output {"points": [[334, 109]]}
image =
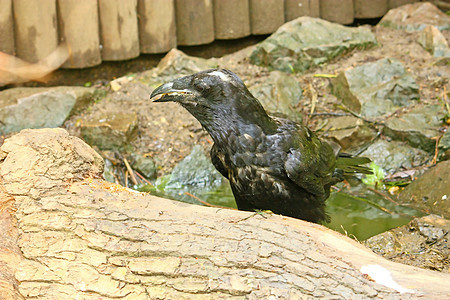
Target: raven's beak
{"points": [[166, 93]]}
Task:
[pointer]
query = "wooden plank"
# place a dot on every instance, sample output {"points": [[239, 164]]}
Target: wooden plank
{"points": [[338, 11], [6, 27], [119, 29], [266, 15], [36, 34], [370, 9], [298, 8], [79, 28], [397, 3], [195, 22], [157, 28], [231, 19]]}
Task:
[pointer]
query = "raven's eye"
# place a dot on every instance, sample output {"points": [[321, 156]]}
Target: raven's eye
{"points": [[201, 86]]}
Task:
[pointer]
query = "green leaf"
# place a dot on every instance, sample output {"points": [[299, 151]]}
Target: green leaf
{"points": [[375, 179]]}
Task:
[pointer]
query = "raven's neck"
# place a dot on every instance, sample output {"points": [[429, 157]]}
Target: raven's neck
{"points": [[245, 116]]}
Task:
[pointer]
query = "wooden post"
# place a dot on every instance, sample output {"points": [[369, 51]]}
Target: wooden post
{"points": [[266, 15], [370, 9], [298, 8], [79, 29], [195, 22], [157, 28], [339, 11], [397, 3], [36, 32], [119, 30], [231, 19], [314, 6], [6, 27]]}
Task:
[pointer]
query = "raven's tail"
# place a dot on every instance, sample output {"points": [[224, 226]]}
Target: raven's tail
{"points": [[351, 165]]}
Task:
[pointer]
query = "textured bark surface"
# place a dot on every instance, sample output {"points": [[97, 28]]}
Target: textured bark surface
{"points": [[72, 235]]}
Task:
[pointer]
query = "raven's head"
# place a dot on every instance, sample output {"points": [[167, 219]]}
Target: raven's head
{"points": [[217, 98], [207, 88]]}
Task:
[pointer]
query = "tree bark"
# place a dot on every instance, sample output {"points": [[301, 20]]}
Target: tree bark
{"points": [[73, 235]]}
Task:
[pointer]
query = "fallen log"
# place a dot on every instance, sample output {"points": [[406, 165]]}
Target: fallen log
{"points": [[68, 234]]}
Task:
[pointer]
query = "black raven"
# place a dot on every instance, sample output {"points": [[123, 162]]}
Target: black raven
{"points": [[272, 163]]}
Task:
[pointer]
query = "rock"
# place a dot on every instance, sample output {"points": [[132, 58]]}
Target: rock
{"points": [[419, 127], [22, 108], [195, 178], [195, 169], [178, 63], [431, 191], [108, 171], [279, 93], [85, 238], [444, 146], [112, 131], [415, 17], [422, 243], [175, 64], [307, 42], [434, 42], [376, 89], [394, 156], [349, 132], [144, 165]]}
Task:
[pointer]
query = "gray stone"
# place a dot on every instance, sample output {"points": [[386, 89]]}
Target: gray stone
{"points": [[144, 165], [394, 156], [175, 64], [431, 191], [377, 88], [349, 132], [419, 127], [195, 169], [434, 42], [22, 108], [444, 146], [307, 42], [108, 171], [112, 131], [279, 93], [415, 17]]}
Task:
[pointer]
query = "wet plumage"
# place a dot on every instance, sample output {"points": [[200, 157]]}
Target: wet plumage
{"points": [[272, 163]]}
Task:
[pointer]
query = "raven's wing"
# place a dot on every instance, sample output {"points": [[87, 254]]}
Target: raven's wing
{"points": [[310, 163], [217, 160]]}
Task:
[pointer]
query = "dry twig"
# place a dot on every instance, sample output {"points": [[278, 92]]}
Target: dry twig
{"points": [[130, 170]]}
